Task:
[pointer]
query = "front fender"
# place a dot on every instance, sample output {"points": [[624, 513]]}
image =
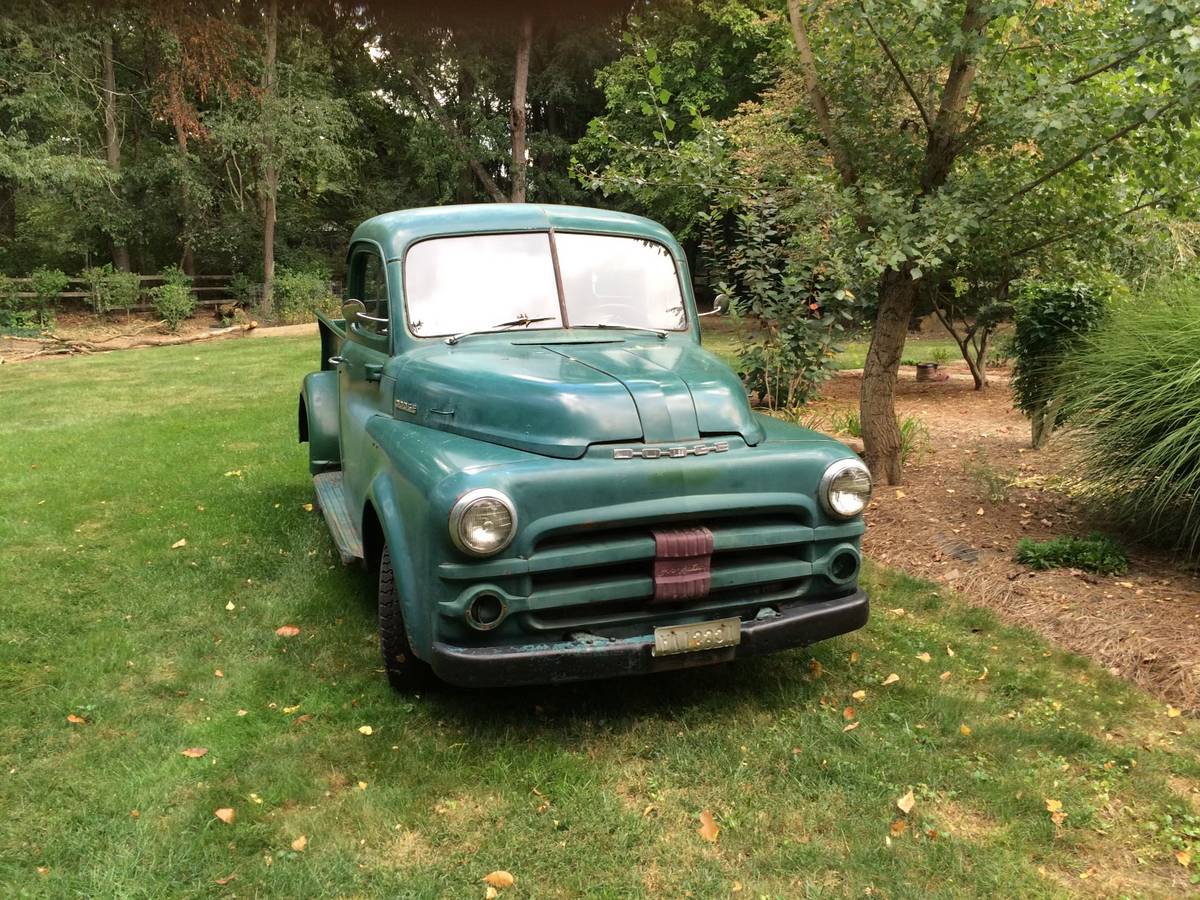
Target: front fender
{"points": [[407, 560], [319, 420]]}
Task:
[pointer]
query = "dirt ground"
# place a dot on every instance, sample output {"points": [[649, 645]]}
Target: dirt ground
{"points": [[977, 489], [84, 333]]}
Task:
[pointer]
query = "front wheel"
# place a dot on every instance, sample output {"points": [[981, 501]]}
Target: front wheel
{"points": [[404, 671]]}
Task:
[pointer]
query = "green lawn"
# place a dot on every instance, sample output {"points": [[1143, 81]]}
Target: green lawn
{"points": [[720, 339], [585, 790]]}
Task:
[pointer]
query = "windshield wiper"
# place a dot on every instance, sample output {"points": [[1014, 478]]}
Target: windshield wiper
{"points": [[515, 323], [657, 332]]}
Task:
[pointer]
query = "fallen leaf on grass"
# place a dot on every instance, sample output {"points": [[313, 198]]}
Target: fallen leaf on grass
{"points": [[287, 631], [366, 729], [709, 829], [859, 695], [964, 729], [1058, 817], [949, 650], [491, 893], [43, 870], [300, 843], [1173, 712], [855, 656], [225, 814], [815, 669], [891, 679], [924, 657], [76, 720], [182, 542], [194, 752], [219, 673], [243, 712], [308, 507], [362, 785], [906, 803], [499, 879], [897, 827], [945, 676], [851, 726], [1053, 805], [848, 713], [983, 675], [224, 881], [898, 611], [300, 720], [1183, 857], [288, 710], [231, 606]]}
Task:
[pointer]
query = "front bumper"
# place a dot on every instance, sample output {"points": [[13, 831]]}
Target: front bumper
{"points": [[549, 663]]}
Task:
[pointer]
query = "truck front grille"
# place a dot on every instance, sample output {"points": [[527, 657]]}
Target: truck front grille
{"points": [[590, 578]]}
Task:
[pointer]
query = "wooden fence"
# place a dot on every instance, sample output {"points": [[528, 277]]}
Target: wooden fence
{"points": [[210, 290]]}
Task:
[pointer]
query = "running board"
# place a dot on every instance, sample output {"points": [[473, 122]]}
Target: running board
{"points": [[332, 501]]}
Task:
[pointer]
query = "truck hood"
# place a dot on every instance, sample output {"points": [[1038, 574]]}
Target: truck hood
{"points": [[558, 397]]}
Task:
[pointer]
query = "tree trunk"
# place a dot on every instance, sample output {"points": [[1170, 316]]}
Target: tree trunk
{"points": [[978, 364], [112, 137], [270, 165], [8, 210], [880, 431], [520, 86], [187, 260]]}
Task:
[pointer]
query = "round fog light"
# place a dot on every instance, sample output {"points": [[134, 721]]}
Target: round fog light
{"points": [[485, 612]]}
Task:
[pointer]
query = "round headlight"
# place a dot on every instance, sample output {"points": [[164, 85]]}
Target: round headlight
{"points": [[483, 522], [845, 488]]}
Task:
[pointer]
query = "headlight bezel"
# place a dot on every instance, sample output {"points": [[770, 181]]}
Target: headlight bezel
{"points": [[833, 471], [459, 510]]}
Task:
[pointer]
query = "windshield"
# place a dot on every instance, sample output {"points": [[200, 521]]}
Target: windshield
{"points": [[495, 281]]}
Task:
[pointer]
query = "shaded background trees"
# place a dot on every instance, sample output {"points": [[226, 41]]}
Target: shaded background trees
{"points": [[824, 163]]}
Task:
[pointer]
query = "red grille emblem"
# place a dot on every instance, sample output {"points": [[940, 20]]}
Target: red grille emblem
{"points": [[682, 563]]}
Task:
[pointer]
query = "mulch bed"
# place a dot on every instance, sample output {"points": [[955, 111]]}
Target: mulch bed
{"points": [[941, 525]]}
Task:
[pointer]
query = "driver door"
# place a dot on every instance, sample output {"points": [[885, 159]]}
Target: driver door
{"points": [[362, 392]]}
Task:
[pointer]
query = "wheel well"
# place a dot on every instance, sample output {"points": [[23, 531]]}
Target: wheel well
{"points": [[302, 423], [372, 536]]}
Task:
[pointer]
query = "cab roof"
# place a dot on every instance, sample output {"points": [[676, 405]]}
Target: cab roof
{"points": [[393, 232]]}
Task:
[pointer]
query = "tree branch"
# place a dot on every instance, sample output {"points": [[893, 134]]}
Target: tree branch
{"points": [[887, 51], [1082, 154], [940, 151], [816, 96], [436, 110], [1063, 235]]}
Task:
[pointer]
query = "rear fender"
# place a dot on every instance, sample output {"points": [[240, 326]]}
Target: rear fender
{"points": [[319, 419]]}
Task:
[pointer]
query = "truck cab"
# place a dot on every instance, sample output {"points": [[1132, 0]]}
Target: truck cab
{"points": [[516, 429]]}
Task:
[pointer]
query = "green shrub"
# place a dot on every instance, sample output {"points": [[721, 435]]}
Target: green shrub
{"points": [[174, 301], [298, 294], [46, 285], [1050, 319], [1133, 391], [15, 316], [914, 436], [1095, 553], [109, 289], [790, 310], [995, 484]]}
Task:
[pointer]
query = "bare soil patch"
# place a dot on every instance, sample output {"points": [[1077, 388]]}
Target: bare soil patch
{"points": [[946, 523]]}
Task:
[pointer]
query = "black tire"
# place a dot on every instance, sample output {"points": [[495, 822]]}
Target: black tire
{"points": [[405, 672]]}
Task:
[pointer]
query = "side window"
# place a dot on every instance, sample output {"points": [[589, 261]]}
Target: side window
{"points": [[369, 284]]}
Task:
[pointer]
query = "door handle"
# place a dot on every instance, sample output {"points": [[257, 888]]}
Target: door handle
{"points": [[336, 360], [373, 371]]}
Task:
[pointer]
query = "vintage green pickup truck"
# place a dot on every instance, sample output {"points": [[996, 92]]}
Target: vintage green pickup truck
{"points": [[515, 427]]}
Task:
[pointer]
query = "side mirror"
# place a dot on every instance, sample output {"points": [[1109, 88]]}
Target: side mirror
{"points": [[351, 310], [720, 306]]}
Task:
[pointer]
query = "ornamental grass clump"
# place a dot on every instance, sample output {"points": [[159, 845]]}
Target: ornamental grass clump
{"points": [[1132, 390]]}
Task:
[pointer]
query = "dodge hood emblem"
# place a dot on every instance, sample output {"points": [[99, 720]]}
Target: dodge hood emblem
{"points": [[671, 452]]}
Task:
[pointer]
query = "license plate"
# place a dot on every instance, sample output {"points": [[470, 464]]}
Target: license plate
{"points": [[672, 639]]}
